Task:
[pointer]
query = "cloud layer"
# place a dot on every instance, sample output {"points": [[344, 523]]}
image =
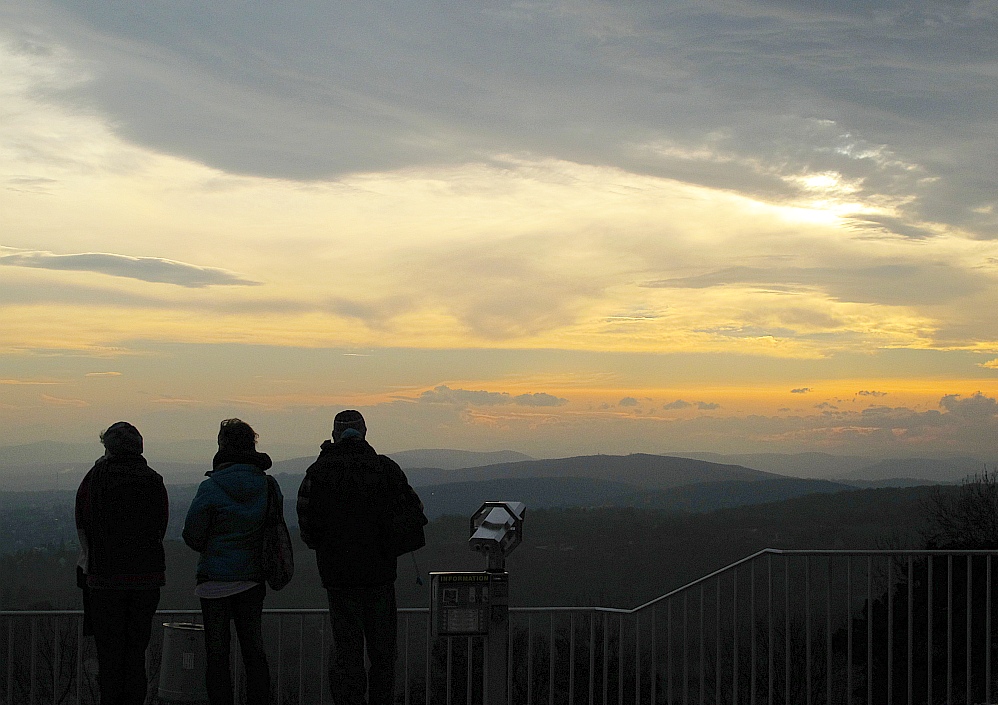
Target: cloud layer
{"points": [[150, 269], [762, 97], [443, 394], [670, 217]]}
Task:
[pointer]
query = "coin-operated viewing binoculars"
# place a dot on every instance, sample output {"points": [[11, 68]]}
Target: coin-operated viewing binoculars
{"points": [[497, 529], [477, 604]]}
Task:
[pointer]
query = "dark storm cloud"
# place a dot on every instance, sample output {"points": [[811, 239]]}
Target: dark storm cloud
{"points": [[744, 95], [150, 269]]}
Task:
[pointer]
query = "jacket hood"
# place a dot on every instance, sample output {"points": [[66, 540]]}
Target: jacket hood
{"points": [[351, 446], [241, 481], [121, 470]]}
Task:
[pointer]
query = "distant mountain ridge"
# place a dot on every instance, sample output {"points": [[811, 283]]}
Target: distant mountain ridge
{"points": [[446, 459], [463, 498], [853, 468], [58, 465], [643, 471]]}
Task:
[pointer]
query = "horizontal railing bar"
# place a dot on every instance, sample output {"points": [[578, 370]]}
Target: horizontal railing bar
{"points": [[309, 610], [606, 610]]}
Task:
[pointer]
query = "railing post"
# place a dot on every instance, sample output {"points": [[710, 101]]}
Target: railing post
{"points": [[700, 682], [753, 665], [869, 626], [928, 651], [807, 624], [911, 628], [530, 660], [848, 630], [890, 630], [987, 631], [734, 637], [34, 660], [949, 629], [970, 603], [770, 661]]}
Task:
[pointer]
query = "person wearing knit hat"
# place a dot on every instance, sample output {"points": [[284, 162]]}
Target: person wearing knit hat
{"points": [[343, 502], [122, 510], [349, 421]]}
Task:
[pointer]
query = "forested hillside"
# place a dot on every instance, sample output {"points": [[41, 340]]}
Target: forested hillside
{"points": [[601, 556]]}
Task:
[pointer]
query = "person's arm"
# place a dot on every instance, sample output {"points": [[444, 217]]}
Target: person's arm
{"points": [[164, 508], [306, 525], [82, 512], [198, 521]]}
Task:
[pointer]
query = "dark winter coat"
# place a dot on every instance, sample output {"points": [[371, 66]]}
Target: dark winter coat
{"points": [[122, 510], [342, 513], [225, 521]]}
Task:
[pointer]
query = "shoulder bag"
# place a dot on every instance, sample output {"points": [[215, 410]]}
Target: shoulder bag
{"points": [[278, 554]]}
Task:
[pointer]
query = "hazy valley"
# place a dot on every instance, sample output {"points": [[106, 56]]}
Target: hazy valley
{"points": [[658, 520]]}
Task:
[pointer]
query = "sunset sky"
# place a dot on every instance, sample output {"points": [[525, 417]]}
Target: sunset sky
{"points": [[554, 227]]}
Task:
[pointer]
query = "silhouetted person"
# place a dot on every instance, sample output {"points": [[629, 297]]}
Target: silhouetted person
{"points": [[342, 505], [225, 525], [122, 511]]}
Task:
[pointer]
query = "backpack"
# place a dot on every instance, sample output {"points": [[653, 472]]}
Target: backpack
{"points": [[405, 522], [365, 500]]}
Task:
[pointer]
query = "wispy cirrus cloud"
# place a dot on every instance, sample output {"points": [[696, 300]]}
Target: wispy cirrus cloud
{"points": [[59, 401], [906, 283], [150, 269]]}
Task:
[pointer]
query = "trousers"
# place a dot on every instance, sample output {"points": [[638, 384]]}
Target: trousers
{"points": [[245, 611], [363, 621], [122, 624]]}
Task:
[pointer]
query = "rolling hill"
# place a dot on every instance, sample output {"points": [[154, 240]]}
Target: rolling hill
{"points": [[646, 472]]}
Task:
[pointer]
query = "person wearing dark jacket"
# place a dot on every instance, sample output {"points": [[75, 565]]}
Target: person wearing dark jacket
{"points": [[342, 505], [225, 525], [122, 510]]}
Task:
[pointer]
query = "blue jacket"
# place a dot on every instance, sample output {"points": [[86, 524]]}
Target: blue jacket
{"points": [[225, 523]]}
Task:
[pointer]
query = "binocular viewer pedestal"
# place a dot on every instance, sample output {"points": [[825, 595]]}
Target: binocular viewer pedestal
{"points": [[477, 603]]}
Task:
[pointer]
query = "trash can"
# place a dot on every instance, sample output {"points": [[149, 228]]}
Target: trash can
{"points": [[181, 671]]}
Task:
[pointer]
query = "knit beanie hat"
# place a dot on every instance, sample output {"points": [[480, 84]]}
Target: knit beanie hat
{"points": [[351, 420], [122, 438]]}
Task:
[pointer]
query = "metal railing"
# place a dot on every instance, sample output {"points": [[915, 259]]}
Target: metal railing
{"points": [[793, 627]]}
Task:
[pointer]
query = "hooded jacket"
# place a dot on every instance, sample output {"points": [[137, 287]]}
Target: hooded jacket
{"points": [[225, 521]]}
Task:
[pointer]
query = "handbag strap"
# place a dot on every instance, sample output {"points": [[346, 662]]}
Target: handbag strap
{"points": [[275, 512]]}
